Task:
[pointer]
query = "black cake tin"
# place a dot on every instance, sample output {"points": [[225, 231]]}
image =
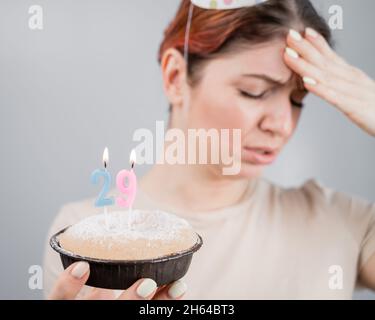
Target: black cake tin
{"points": [[121, 274]]}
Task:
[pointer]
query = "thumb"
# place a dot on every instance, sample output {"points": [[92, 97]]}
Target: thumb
{"points": [[71, 281]]}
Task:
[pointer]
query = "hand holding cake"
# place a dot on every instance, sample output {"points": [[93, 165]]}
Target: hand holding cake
{"points": [[115, 250], [72, 280]]}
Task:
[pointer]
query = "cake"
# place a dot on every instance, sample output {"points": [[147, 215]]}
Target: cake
{"points": [[152, 244], [151, 234]]}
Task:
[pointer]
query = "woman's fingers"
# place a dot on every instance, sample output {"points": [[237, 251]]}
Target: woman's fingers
{"points": [[146, 289], [336, 91], [174, 291], [361, 112], [309, 53], [343, 102], [71, 281], [330, 77], [143, 289], [321, 44], [322, 76], [304, 48], [301, 66]]}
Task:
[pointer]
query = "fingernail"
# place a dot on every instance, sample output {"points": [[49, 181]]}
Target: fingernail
{"points": [[177, 289], [309, 81], [295, 35], [80, 270], [147, 287], [292, 53], [311, 32]]}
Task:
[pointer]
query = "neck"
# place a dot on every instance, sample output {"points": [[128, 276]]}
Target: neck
{"points": [[187, 188]]}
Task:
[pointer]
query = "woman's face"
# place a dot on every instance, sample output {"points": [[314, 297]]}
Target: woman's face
{"points": [[250, 89]]}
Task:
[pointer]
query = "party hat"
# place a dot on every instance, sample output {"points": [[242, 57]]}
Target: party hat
{"points": [[225, 4]]}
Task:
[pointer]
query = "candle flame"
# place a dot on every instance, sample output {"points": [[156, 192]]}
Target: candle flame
{"points": [[105, 157], [133, 158]]}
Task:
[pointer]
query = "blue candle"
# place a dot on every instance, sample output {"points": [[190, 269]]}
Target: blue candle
{"points": [[102, 200]]}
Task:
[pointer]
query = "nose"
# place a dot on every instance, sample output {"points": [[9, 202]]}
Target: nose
{"points": [[278, 117]]}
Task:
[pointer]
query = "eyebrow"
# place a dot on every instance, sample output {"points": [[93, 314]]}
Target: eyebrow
{"points": [[268, 78]]}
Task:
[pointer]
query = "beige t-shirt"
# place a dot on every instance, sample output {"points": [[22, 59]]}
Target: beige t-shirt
{"points": [[276, 243]]}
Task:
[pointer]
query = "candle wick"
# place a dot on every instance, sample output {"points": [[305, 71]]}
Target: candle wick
{"points": [[133, 165], [105, 164]]}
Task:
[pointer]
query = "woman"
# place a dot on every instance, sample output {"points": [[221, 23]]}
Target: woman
{"points": [[251, 68]]}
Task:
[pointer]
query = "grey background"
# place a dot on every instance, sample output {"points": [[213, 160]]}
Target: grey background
{"points": [[90, 78]]}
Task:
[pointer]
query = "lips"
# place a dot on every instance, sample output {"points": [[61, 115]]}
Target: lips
{"points": [[259, 155]]}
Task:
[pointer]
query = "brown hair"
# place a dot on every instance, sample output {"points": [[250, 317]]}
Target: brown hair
{"points": [[214, 32]]}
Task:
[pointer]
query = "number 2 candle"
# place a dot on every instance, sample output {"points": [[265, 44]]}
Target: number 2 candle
{"points": [[102, 201]]}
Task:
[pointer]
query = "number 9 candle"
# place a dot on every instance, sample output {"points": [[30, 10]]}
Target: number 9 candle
{"points": [[130, 190]]}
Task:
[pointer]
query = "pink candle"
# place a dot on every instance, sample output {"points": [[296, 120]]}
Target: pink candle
{"points": [[130, 189]]}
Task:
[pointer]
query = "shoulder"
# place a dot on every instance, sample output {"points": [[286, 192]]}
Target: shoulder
{"points": [[338, 201], [321, 203], [310, 193], [313, 195]]}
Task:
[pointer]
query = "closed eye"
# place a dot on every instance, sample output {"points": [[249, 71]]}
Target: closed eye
{"points": [[262, 95], [252, 96]]}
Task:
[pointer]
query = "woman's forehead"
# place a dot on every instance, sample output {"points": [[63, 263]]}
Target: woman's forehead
{"points": [[266, 58]]}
